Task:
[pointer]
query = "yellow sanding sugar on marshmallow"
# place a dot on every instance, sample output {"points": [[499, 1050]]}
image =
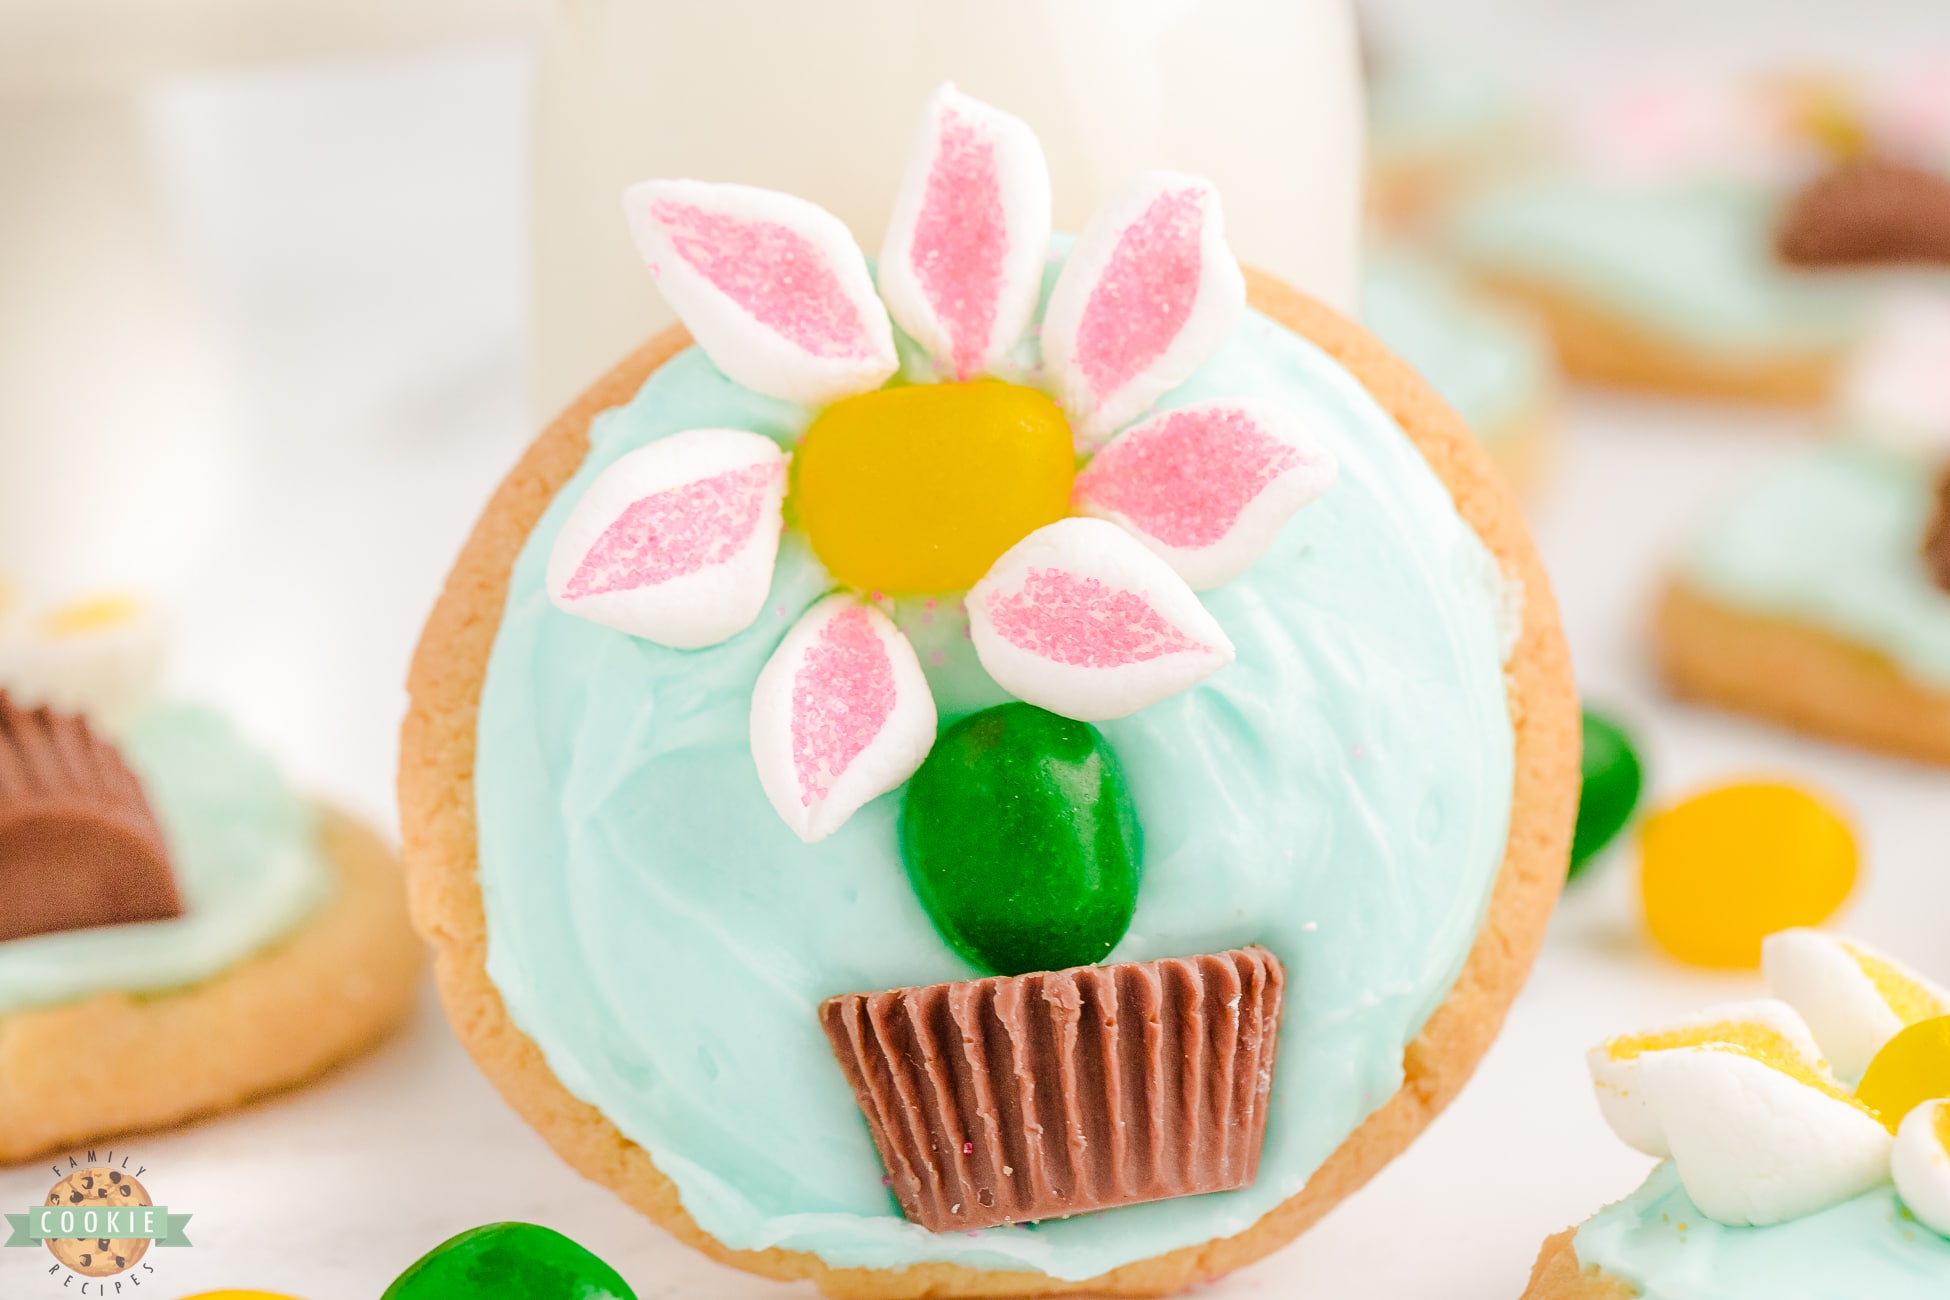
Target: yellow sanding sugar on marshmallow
{"points": [[92, 614], [1755, 1041], [1906, 995], [1766, 1031], [1741, 1101]]}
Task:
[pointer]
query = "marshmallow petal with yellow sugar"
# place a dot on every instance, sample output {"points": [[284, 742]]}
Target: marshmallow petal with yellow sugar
{"points": [[1852, 997], [1741, 1100], [1755, 1143], [1766, 1029], [1920, 1164], [99, 655]]}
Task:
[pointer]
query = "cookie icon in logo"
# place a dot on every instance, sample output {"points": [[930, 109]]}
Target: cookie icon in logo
{"points": [[98, 1187]]}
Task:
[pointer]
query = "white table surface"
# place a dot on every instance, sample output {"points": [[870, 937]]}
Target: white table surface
{"points": [[355, 233]]}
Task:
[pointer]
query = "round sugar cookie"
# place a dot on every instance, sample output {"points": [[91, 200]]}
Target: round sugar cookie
{"points": [[441, 756], [277, 1019]]}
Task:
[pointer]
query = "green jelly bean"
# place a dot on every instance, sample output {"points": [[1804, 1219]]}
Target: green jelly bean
{"points": [[1613, 778], [509, 1261], [1020, 839]]}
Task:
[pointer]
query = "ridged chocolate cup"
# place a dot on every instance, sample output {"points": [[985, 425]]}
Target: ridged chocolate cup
{"points": [[1867, 213], [1027, 1097], [79, 844]]}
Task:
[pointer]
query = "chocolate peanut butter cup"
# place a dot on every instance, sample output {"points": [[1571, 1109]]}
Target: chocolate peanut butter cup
{"points": [[79, 845], [1866, 213], [1013, 1099], [1936, 538]]}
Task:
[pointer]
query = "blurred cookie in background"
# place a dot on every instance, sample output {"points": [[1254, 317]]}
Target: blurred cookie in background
{"points": [[171, 911], [1648, 247], [1438, 129], [1819, 596], [1489, 360]]}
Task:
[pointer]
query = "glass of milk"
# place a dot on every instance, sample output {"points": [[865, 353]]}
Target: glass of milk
{"points": [[822, 99]]}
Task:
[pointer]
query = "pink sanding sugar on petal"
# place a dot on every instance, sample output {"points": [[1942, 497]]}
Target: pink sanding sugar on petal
{"points": [[773, 272], [1150, 290], [1146, 293], [1208, 486], [959, 242], [1080, 619], [841, 714], [842, 695], [1082, 622], [965, 247], [773, 287], [674, 533], [675, 542]]}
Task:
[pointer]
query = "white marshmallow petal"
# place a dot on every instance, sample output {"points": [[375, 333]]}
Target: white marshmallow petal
{"points": [[962, 263], [1148, 293], [1616, 1072], [99, 656], [1208, 486], [1755, 1146], [676, 541], [1829, 980], [772, 287], [1920, 1164], [1080, 619], [841, 714]]}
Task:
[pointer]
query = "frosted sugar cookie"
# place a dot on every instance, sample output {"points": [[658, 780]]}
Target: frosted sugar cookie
{"points": [[904, 789], [171, 914], [1649, 247], [1804, 1138], [1819, 595]]}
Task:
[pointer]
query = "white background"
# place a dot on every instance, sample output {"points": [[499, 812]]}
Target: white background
{"points": [[353, 232]]}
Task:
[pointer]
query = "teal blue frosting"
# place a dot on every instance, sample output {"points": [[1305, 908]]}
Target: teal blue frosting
{"points": [[1869, 1248], [1340, 794], [1832, 537], [246, 860], [1693, 260], [1490, 363]]}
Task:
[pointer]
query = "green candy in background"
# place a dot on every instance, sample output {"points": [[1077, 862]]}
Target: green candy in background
{"points": [[509, 1261], [1613, 778]]}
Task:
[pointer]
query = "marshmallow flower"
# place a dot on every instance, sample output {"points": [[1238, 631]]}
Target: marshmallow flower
{"points": [[1093, 616], [1743, 1101], [98, 655]]}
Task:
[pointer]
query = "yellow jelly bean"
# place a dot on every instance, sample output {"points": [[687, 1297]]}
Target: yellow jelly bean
{"points": [[239, 1295], [919, 489], [1723, 870], [1912, 1068]]}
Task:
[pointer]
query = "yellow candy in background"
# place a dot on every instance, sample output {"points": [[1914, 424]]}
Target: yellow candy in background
{"points": [[1912, 1068], [239, 1295], [1723, 870]]}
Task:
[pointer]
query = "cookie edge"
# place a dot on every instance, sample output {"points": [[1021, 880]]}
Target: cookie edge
{"points": [[436, 796], [1796, 675], [1557, 1275]]}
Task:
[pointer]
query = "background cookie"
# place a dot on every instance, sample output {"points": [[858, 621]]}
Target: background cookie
{"points": [[277, 1019], [437, 802]]}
